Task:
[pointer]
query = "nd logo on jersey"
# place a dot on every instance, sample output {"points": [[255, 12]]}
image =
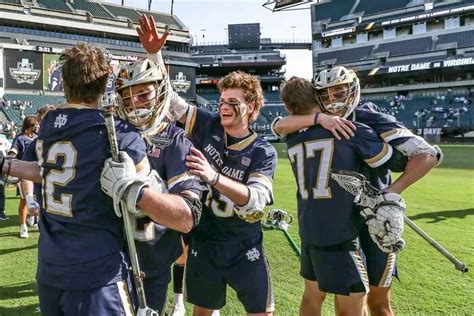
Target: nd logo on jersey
{"points": [[253, 254]]}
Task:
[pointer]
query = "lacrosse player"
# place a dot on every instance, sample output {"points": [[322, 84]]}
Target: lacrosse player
{"points": [[381, 265], [331, 260], [82, 266], [143, 101], [19, 145], [238, 165], [32, 191], [5, 145]]}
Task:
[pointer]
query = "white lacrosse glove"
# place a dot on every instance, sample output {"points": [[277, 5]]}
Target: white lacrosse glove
{"points": [[249, 215], [33, 206], [385, 222], [119, 180]]}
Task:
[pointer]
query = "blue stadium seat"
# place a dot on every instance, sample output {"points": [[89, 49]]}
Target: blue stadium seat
{"points": [[58, 5], [346, 55], [37, 101], [464, 39], [122, 11], [399, 48], [371, 6], [333, 10], [93, 7]]}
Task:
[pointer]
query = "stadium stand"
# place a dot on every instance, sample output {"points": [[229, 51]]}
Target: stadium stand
{"points": [[332, 10], [413, 46], [210, 96], [16, 105], [122, 11], [58, 5], [272, 96], [464, 39], [94, 8], [164, 19], [346, 55], [371, 6], [11, 1]]}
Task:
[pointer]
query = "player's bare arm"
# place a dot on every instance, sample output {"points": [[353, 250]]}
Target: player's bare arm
{"points": [[28, 170], [200, 167], [169, 210], [120, 181], [337, 125], [417, 167]]}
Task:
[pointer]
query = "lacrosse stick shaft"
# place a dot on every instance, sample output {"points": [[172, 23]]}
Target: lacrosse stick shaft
{"points": [[459, 265], [137, 275], [292, 242]]}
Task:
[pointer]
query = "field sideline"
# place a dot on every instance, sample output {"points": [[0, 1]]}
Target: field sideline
{"points": [[442, 204]]}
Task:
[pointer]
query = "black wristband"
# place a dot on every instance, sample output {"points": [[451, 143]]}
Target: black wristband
{"points": [[214, 181], [315, 122]]}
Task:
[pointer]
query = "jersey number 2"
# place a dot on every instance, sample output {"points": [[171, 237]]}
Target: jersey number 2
{"points": [[299, 153], [58, 178]]}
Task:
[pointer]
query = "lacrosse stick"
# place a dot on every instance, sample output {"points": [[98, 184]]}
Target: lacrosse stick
{"points": [[366, 195], [281, 220], [138, 275]]}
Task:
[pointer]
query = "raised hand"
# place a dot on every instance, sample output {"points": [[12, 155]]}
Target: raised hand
{"points": [[149, 37]]}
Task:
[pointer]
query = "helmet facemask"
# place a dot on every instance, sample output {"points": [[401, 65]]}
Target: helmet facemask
{"points": [[338, 91], [142, 95]]}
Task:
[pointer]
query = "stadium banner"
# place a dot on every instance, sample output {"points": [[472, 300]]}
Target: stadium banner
{"points": [[23, 69], [181, 79], [52, 73], [426, 65], [428, 15]]}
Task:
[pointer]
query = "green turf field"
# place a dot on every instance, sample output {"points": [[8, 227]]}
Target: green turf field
{"points": [[442, 204]]}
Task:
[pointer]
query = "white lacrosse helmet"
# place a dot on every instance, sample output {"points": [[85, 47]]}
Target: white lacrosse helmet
{"points": [[338, 90], [144, 110]]}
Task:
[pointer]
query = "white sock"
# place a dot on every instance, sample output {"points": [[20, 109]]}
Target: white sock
{"points": [[178, 298], [23, 226]]}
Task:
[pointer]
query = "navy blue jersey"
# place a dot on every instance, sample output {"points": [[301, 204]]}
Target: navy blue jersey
{"points": [[19, 145], [158, 247], [389, 129], [30, 155], [251, 160], [326, 213], [79, 229]]}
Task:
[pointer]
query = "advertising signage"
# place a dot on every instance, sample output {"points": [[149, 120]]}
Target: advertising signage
{"points": [[23, 69], [426, 65]]}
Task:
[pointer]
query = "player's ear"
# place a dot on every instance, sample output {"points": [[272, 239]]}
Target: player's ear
{"points": [[250, 107]]}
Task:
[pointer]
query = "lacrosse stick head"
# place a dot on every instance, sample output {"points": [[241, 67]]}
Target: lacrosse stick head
{"points": [[356, 184], [278, 219]]}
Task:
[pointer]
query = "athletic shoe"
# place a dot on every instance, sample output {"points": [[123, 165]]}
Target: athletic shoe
{"points": [[178, 310], [24, 231], [3, 217]]}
